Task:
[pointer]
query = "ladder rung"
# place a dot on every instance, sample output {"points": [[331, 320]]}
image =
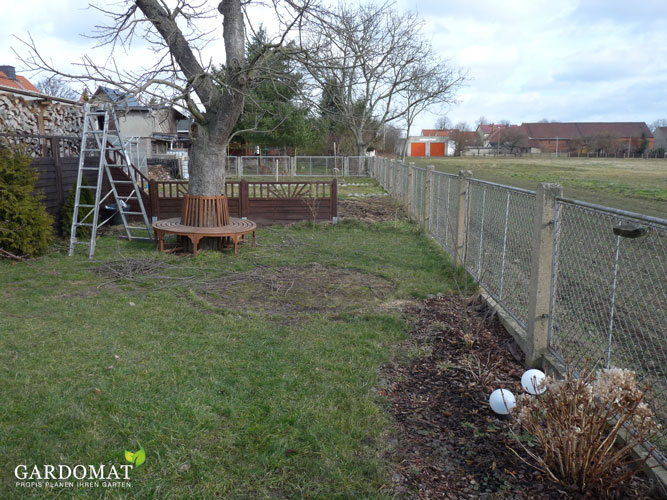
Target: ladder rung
{"points": [[86, 206], [86, 243], [89, 168], [122, 182], [84, 224], [90, 150], [87, 187], [132, 213], [143, 228], [134, 238]]}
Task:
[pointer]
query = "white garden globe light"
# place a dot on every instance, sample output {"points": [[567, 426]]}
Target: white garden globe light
{"points": [[531, 381], [502, 401]]}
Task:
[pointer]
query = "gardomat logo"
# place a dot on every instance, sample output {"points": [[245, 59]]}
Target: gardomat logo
{"points": [[137, 458]]}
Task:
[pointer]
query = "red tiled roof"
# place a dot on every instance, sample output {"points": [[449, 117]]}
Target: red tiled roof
{"points": [[435, 133], [493, 137], [491, 127], [20, 83], [576, 130]]}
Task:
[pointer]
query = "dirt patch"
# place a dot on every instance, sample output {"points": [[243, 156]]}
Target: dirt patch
{"points": [[450, 444], [369, 210], [298, 289]]}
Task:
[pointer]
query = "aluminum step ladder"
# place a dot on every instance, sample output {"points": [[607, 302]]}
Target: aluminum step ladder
{"points": [[101, 135]]}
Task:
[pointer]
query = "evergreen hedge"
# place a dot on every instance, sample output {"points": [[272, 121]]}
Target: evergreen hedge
{"points": [[25, 226]]}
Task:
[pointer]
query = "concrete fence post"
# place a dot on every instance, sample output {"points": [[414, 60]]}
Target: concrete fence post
{"points": [[427, 198], [462, 216], [540, 273], [239, 166], [410, 190], [390, 186]]}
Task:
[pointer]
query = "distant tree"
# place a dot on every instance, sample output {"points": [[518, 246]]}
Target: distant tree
{"points": [[391, 138], [643, 145], [544, 120], [660, 122], [504, 122], [604, 143], [56, 86], [377, 56], [481, 121], [443, 123], [463, 137], [514, 138]]}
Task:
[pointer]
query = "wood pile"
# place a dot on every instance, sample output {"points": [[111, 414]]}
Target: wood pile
{"points": [[21, 116]]}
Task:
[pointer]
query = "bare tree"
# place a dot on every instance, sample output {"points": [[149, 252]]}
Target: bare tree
{"points": [[214, 98], [443, 123], [430, 86], [463, 137], [660, 122], [375, 68], [55, 86], [514, 138], [481, 121]]}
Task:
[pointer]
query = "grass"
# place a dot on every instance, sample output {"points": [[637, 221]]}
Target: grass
{"points": [[228, 399], [630, 184]]}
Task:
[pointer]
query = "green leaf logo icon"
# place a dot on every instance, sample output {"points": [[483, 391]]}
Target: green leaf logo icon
{"points": [[137, 458]]}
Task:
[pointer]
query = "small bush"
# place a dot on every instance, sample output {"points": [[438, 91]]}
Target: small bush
{"points": [[86, 198], [25, 226], [576, 423]]}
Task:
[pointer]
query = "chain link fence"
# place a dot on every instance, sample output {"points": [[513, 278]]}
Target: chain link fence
{"points": [[497, 251], [609, 291], [443, 208], [608, 287], [318, 165], [269, 166]]}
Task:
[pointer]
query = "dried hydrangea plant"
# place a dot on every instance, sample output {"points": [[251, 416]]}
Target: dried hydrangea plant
{"points": [[576, 423]]}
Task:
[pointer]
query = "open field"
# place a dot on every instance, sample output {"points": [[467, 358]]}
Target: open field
{"points": [[254, 376], [635, 185]]}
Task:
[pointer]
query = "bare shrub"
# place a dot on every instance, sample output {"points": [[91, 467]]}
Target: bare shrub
{"points": [[576, 423]]}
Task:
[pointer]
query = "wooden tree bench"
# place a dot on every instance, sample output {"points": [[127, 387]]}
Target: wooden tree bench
{"points": [[205, 217]]}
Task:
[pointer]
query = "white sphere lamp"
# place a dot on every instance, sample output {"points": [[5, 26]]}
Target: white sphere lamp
{"points": [[532, 382], [502, 401]]}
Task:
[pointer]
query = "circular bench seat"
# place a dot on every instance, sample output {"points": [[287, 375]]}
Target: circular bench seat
{"points": [[235, 230]]}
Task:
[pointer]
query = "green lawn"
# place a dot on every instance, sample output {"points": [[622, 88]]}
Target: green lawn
{"points": [[254, 376], [636, 185]]}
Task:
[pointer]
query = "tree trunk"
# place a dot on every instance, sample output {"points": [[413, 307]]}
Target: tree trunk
{"points": [[207, 163]]}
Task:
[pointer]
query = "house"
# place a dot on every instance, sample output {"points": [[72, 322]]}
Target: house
{"points": [[485, 130], [587, 137], [660, 137], [508, 139], [153, 126]]}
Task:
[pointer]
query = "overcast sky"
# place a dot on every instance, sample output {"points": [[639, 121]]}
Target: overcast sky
{"points": [[572, 60]]}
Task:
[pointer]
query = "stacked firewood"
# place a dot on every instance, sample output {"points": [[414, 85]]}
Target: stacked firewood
{"points": [[21, 116]]}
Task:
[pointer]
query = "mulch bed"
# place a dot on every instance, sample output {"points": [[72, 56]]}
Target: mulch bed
{"points": [[372, 209], [450, 445]]}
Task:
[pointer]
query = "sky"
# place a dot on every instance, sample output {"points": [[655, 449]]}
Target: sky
{"points": [[527, 60]]}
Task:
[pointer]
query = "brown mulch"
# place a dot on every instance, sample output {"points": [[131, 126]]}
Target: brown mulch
{"points": [[450, 445], [371, 209]]}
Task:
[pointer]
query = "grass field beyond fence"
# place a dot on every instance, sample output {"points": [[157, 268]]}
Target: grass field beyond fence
{"points": [[636, 185], [254, 376]]}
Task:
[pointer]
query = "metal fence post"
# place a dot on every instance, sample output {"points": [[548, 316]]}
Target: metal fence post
{"points": [[539, 298], [462, 216], [427, 198]]}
